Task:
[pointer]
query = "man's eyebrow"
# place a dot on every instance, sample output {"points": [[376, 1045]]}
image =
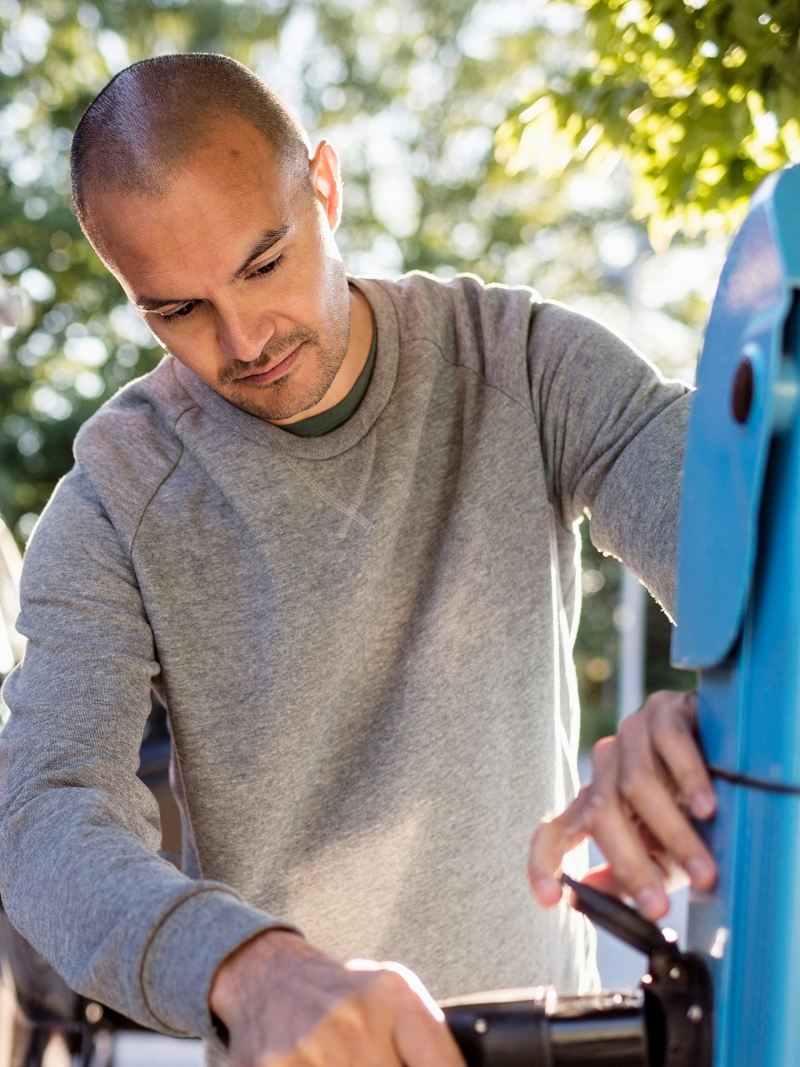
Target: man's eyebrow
{"points": [[267, 239], [153, 303]]}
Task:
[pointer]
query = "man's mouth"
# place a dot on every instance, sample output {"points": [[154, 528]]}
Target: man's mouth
{"points": [[283, 366]]}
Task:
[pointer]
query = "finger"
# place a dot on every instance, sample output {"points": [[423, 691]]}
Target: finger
{"points": [[603, 878], [619, 840], [602, 754], [666, 821], [423, 1041], [673, 729], [641, 779], [422, 1038], [555, 836], [550, 841], [634, 870], [416, 985]]}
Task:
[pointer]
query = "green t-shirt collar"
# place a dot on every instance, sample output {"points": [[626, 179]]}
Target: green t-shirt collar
{"points": [[316, 425]]}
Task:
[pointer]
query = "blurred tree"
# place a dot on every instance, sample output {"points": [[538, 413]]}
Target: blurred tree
{"points": [[699, 96], [411, 94]]}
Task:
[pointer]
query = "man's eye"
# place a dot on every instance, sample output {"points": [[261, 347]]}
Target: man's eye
{"points": [[187, 309], [181, 312], [268, 268]]}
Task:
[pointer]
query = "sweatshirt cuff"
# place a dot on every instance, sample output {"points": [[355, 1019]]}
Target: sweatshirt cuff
{"points": [[185, 951]]}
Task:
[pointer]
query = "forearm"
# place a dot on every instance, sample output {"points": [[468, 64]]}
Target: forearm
{"points": [[80, 878], [79, 871]]}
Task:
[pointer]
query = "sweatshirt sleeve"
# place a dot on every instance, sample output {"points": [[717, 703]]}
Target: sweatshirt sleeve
{"points": [[80, 876], [612, 434]]}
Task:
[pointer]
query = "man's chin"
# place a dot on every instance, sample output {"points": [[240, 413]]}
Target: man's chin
{"points": [[269, 406], [289, 397]]}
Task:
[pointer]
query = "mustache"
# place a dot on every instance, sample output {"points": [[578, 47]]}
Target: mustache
{"points": [[276, 349]]}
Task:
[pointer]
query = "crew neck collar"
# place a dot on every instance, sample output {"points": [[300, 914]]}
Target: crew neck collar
{"points": [[325, 421], [343, 437]]}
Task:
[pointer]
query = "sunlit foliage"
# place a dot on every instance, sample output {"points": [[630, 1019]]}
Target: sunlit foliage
{"points": [[699, 96], [412, 93]]}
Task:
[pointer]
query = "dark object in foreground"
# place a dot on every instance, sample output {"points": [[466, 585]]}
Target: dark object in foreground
{"points": [[546, 1030], [666, 1024]]}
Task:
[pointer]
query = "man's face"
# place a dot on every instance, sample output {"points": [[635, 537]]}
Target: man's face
{"points": [[236, 270]]}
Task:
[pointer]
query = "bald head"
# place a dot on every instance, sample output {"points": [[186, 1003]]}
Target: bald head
{"points": [[142, 128]]}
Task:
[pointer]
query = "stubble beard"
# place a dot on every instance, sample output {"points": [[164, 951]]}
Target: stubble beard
{"points": [[301, 388]]}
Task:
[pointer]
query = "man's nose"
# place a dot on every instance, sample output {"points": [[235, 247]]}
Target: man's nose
{"points": [[243, 337]]}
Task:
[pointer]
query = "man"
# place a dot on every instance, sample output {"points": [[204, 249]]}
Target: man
{"points": [[335, 529]]}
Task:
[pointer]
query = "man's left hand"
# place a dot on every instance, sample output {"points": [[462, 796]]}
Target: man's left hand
{"points": [[649, 781]]}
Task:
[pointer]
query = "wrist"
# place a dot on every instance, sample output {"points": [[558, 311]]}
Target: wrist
{"points": [[232, 984]]}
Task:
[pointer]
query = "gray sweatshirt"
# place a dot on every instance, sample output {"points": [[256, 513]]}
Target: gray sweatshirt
{"points": [[364, 640]]}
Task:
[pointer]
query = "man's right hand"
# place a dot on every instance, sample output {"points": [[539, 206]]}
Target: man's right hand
{"points": [[650, 783], [286, 1004]]}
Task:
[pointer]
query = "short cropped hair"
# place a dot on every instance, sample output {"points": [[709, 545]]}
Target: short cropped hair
{"points": [[151, 116]]}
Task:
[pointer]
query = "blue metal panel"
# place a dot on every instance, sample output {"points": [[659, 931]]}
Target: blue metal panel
{"points": [[749, 929], [739, 620], [725, 460]]}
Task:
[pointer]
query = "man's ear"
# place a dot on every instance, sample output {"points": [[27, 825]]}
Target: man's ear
{"points": [[326, 181]]}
